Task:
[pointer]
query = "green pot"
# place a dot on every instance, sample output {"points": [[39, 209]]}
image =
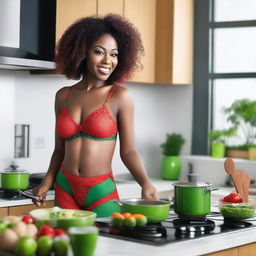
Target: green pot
{"points": [[155, 210], [192, 199], [170, 168], [218, 150], [14, 179]]}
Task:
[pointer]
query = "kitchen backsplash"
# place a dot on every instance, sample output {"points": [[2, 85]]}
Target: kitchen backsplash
{"points": [[29, 99]]}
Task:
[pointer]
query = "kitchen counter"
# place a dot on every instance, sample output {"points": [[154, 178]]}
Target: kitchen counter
{"points": [[9, 203], [194, 247]]}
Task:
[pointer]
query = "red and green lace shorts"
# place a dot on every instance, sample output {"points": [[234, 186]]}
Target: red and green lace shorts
{"points": [[97, 194]]}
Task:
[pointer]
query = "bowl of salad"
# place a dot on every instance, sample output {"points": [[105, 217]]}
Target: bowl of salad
{"points": [[62, 218], [232, 207]]}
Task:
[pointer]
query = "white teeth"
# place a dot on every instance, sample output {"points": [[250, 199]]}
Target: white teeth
{"points": [[105, 70]]}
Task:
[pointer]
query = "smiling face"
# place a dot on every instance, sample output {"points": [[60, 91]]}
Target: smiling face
{"points": [[102, 58]]}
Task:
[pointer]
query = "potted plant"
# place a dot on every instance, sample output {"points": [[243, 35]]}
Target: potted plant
{"points": [[171, 164], [217, 140], [242, 115]]}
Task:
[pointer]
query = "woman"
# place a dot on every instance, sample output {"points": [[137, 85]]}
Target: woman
{"points": [[104, 52]]}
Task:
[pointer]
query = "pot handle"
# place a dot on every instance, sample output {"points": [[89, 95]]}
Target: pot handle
{"points": [[209, 189], [118, 202]]}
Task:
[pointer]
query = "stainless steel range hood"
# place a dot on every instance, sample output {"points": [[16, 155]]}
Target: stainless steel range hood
{"points": [[27, 29]]}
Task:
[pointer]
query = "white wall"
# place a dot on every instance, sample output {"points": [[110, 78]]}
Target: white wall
{"points": [[158, 109], [7, 98]]}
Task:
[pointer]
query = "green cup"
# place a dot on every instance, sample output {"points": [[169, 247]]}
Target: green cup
{"points": [[83, 240]]}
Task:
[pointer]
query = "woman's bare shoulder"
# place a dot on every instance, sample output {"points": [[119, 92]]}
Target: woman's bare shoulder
{"points": [[61, 94], [122, 93], [123, 98]]}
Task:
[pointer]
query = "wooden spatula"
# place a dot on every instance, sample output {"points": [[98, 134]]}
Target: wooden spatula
{"points": [[246, 184], [235, 175]]}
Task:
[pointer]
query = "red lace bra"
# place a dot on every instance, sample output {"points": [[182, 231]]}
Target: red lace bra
{"points": [[98, 125]]}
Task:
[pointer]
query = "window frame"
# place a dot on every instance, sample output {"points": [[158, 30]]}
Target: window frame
{"points": [[203, 77]]}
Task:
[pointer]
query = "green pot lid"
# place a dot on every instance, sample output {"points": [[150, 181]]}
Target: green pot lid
{"points": [[192, 184], [14, 171]]}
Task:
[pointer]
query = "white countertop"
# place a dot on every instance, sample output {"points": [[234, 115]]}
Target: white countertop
{"points": [[195, 247], [8, 203], [116, 247]]}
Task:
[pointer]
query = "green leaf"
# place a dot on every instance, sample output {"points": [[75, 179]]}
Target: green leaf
{"points": [[172, 145]]}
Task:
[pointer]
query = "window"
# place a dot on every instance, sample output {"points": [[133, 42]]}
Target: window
{"points": [[224, 63]]}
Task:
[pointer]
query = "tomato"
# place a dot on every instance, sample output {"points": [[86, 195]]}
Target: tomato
{"points": [[117, 215], [232, 198], [46, 230], [26, 246], [117, 219], [28, 219], [59, 232], [126, 214], [141, 220], [129, 222], [44, 246]]}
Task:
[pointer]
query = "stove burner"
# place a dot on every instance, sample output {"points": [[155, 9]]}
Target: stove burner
{"points": [[193, 225], [175, 229], [230, 223], [12, 194], [146, 232]]}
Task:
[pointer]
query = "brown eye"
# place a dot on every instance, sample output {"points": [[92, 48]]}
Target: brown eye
{"points": [[98, 52]]}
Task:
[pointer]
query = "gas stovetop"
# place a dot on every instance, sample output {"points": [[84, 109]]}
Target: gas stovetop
{"points": [[174, 229]]}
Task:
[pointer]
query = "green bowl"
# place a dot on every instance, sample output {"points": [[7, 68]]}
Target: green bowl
{"points": [[237, 211], [77, 222], [63, 218]]}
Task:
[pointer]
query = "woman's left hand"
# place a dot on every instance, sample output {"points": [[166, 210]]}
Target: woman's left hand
{"points": [[149, 192]]}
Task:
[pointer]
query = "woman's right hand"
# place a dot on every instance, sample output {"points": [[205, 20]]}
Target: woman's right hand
{"points": [[40, 192]]}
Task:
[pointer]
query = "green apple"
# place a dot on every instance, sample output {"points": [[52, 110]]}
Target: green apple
{"points": [[3, 226], [25, 246], [60, 247], [44, 246]]}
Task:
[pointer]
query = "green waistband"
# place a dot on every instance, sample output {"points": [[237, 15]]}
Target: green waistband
{"points": [[82, 134]]}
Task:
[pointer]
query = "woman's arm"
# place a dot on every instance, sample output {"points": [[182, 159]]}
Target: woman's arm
{"points": [[56, 159], [128, 151]]}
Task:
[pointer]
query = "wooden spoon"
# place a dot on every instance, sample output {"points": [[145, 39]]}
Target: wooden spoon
{"points": [[235, 175]]}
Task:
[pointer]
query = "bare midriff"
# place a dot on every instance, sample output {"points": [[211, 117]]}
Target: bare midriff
{"points": [[88, 158]]}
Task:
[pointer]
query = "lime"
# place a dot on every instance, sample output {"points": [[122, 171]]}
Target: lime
{"points": [[60, 247], [44, 246], [129, 222], [26, 246], [3, 226], [117, 222], [141, 222]]}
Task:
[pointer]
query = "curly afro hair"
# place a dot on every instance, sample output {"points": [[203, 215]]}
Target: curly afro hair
{"points": [[77, 39]]}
